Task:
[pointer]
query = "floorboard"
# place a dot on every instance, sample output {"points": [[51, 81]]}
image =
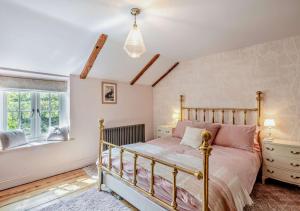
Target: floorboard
{"points": [[44, 192]]}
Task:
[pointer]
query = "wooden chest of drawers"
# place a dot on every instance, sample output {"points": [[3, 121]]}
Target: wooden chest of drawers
{"points": [[281, 161]]}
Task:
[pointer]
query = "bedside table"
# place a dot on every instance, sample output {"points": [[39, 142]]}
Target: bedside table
{"points": [[164, 130], [281, 161]]}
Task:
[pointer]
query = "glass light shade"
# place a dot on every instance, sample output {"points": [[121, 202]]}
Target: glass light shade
{"points": [[134, 44], [269, 123]]}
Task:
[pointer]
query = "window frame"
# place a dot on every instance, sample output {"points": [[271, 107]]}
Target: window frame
{"points": [[5, 111], [38, 114], [35, 122]]}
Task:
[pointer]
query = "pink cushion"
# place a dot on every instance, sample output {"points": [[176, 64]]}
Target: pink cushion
{"points": [[181, 125], [180, 128], [236, 136], [211, 127]]}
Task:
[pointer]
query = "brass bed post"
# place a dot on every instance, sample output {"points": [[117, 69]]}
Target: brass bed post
{"points": [[174, 191], [134, 169], [121, 162], [101, 128], [206, 149], [181, 107], [223, 116], [258, 100], [151, 189]]}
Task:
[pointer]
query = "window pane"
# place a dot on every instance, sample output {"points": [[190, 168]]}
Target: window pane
{"points": [[44, 101], [26, 122], [44, 122], [54, 119], [25, 101], [54, 102], [12, 120], [13, 101]]}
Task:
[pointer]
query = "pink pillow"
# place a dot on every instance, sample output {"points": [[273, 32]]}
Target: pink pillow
{"points": [[256, 145], [236, 136], [181, 125], [211, 127], [180, 128]]}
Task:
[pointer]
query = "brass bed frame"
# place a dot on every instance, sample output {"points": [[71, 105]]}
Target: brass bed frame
{"points": [[205, 147]]}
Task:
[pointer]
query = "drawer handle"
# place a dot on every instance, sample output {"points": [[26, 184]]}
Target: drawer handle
{"points": [[167, 131], [270, 171], [270, 160], [271, 149], [294, 177], [295, 153], [294, 165]]}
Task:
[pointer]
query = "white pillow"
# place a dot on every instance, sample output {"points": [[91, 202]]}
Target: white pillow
{"points": [[12, 139], [192, 137], [59, 134]]}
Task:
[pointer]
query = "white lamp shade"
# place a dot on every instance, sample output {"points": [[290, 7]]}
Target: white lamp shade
{"points": [[134, 44], [269, 123]]}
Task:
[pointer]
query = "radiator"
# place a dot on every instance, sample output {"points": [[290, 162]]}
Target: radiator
{"points": [[125, 134]]}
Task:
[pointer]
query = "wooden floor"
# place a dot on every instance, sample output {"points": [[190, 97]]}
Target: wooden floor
{"points": [[47, 191]]}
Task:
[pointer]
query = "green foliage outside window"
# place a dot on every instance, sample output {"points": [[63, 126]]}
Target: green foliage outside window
{"points": [[49, 111], [19, 111]]}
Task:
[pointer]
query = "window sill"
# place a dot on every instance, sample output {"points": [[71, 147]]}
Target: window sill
{"points": [[35, 143]]}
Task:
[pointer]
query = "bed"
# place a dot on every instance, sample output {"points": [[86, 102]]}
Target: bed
{"points": [[163, 174]]}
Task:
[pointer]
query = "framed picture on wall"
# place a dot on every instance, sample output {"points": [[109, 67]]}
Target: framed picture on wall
{"points": [[109, 93]]}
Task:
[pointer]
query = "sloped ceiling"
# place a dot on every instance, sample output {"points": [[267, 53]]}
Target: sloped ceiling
{"points": [[57, 36]]}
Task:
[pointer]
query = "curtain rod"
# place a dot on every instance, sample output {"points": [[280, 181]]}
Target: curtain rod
{"points": [[32, 72]]}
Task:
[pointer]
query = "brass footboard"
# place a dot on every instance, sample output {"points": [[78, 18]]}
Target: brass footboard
{"points": [[205, 147]]}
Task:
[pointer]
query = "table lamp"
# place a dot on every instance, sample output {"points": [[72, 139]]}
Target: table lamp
{"points": [[269, 123]]}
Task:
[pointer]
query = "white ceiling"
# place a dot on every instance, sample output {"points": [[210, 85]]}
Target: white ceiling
{"points": [[57, 36]]}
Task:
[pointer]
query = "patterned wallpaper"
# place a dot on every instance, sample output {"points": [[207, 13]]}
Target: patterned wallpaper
{"points": [[231, 79]]}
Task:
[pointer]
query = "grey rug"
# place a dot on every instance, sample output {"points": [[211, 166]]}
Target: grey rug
{"points": [[91, 200]]}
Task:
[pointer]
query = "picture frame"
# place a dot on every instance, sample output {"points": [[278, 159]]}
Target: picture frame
{"points": [[109, 93]]}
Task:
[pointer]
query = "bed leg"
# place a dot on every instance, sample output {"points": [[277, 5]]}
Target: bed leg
{"points": [[100, 178]]}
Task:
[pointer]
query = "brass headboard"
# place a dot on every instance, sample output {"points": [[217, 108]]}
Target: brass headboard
{"points": [[221, 111]]}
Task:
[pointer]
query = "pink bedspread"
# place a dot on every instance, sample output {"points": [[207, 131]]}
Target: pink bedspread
{"points": [[225, 164]]}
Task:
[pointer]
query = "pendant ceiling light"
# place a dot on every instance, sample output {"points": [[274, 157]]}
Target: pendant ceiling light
{"points": [[134, 44]]}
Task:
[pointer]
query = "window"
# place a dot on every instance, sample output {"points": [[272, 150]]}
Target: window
{"points": [[33, 112], [18, 111], [49, 111]]}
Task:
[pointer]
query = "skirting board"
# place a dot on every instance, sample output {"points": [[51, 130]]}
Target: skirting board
{"points": [[51, 171], [129, 194]]}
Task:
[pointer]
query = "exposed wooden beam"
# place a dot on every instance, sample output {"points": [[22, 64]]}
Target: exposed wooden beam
{"points": [[144, 69], [166, 73], [89, 64]]}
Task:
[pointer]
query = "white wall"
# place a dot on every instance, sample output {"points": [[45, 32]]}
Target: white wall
{"points": [[232, 78], [134, 106]]}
